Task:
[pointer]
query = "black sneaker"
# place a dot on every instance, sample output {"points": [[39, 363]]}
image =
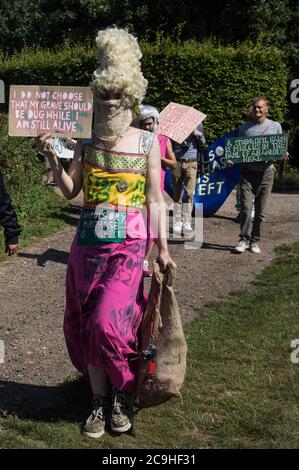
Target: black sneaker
{"points": [[95, 423], [122, 413]]}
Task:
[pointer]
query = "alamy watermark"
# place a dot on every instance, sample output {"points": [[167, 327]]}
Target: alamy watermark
{"points": [[2, 92], [295, 93], [2, 351], [294, 356], [155, 221]]}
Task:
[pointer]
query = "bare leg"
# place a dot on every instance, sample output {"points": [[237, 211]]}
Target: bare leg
{"points": [[98, 381], [95, 424]]}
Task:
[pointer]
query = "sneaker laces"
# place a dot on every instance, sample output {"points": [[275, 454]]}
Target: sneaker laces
{"points": [[98, 405], [121, 402]]}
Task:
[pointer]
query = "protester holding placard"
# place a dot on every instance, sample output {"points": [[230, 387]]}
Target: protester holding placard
{"points": [[120, 172], [256, 178], [9, 220], [184, 176], [149, 121]]}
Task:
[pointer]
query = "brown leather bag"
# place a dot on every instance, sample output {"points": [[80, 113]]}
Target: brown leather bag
{"points": [[162, 364]]}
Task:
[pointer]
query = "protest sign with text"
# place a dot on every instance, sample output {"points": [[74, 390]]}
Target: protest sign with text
{"points": [[256, 149], [177, 121], [34, 110]]}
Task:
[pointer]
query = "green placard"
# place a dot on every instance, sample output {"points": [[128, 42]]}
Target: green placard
{"points": [[255, 149], [101, 225]]}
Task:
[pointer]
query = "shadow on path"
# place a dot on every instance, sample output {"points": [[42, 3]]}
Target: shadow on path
{"points": [[70, 215], [224, 217], [215, 246], [51, 254], [69, 401]]}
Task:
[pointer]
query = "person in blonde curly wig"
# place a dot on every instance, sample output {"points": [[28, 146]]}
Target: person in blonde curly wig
{"points": [[118, 83], [120, 67], [119, 171]]}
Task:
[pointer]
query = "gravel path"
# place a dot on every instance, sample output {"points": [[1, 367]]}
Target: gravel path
{"points": [[32, 288]]}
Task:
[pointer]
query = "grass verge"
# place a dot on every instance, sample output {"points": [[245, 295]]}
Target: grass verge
{"points": [[241, 389]]}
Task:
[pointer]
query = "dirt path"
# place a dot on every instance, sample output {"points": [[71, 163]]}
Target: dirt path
{"points": [[32, 290]]}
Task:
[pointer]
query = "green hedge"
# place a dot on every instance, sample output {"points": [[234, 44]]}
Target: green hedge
{"points": [[220, 81], [21, 168], [68, 66]]}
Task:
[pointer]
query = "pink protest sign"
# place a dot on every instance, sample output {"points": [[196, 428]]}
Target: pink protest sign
{"points": [[177, 121], [34, 110]]}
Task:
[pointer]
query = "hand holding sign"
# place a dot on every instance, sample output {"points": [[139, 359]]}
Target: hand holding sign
{"points": [[44, 144]]}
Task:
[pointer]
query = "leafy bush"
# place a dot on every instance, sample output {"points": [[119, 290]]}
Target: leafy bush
{"points": [[220, 81], [72, 65], [21, 168]]}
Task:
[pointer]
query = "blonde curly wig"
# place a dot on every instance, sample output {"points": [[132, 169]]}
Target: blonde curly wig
{"points": [[120, 68]]}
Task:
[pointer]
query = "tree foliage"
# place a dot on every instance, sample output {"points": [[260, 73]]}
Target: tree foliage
{"points": [[49, 22]]}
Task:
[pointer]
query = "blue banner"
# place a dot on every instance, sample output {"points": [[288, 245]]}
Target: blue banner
{"points": [[215, 179]]}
